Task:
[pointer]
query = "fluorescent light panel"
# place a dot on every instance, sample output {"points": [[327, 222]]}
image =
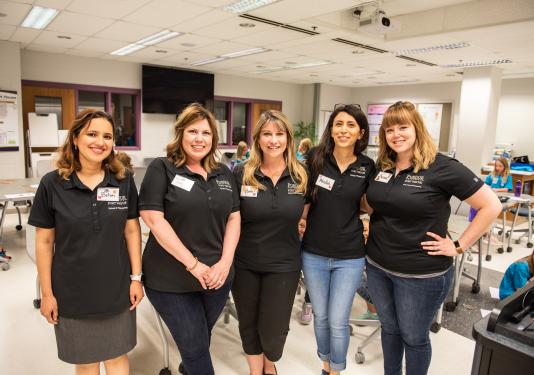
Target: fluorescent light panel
{"points": [[243, 6], [130, 48], [441, 47], [208, 61], [477, 63], [245, 52], [39, 17]]}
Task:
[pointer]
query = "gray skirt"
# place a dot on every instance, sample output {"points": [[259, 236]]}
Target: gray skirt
{"points": [[84, 341]]}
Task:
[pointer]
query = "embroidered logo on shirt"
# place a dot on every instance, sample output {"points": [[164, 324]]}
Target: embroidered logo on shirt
{"points": [[358, 172], [414, 181], [224, 185], [121, 204]]}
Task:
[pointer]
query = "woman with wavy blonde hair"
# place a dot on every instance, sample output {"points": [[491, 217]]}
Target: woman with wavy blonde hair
{"points": [[272, 184], [409, 256], [87, 224]]}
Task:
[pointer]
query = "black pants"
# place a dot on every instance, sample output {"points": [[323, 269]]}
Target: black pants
{"points": [[264, 301]]}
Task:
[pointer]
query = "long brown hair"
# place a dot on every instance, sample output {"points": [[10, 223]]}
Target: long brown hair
{"points": [[68, 160], [424, 149], [192, 113], [296, 170]]}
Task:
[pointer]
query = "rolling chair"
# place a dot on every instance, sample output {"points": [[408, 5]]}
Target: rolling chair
{"points": [[525, 211]]}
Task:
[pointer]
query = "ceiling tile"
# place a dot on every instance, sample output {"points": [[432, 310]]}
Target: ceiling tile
{"points": [[100, 45], [54, 4], [271, 37], [127, 32], [221, 48], [165, 13], [110, 9], [230, 29], [84, 53], [81, 24], [50, 38], [6, 31], [49, 49], [24, 35], [183, 42], [151, 52], [206, 19], [15, 12]]}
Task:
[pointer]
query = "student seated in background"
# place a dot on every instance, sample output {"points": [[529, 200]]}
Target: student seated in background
{"points": [[517, 275], [242, 153], [305, 146], [500, 179]]}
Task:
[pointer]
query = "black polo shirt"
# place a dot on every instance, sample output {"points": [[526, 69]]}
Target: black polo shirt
{"points": [[334, 228], [269, 239], [91, 265], [411, 204], [196, 209]]}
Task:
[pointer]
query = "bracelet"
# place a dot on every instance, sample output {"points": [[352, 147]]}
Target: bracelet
{"points": [[136, 277], [189, 269]]}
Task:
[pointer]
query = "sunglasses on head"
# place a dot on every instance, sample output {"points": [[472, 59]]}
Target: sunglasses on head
{"points": [[342, 106]]}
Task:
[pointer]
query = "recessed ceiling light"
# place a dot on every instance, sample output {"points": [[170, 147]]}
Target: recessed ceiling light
{"points": [[358, 52], [64, 37], [188, 44], [242, 6], [39, 17], [161, 51], [247, 24]]}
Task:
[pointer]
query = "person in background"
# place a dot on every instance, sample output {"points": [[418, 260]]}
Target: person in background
{"points": [[88, 249], [305, 145], [517, 275], [500, 179], [190, 202], [409, 256], [126, 160], [333, 245], [267, 270], [242, 153]]}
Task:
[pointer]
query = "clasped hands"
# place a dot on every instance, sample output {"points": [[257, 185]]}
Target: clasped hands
{"points": [[212, 277]]}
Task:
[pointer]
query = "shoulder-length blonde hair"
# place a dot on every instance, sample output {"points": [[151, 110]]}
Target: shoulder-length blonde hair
{"points": [[240, 152], [424, 149], [175, 151], [506, 170], [296, 169], [68, 160]]}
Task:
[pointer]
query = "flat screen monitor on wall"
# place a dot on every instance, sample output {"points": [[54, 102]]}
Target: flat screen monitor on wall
{"points": [[167, 90]]}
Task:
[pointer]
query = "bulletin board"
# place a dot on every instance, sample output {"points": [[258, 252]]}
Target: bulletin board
{"points": [[9, 121], [43, 130]]}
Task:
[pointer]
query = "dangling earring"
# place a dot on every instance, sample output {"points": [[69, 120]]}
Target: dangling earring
{"points": [[75, 148]]}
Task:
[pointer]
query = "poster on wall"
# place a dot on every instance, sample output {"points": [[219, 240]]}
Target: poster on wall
{"points": [[375, 113], [9, 121], [431, 114]]}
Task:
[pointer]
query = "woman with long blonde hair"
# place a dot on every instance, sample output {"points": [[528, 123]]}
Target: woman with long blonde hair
{"points": [[409, 256], [272, 184]]}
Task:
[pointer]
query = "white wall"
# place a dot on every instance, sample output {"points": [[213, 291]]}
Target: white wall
{"points": [[156, 128], [12, 162], [515, 119]]}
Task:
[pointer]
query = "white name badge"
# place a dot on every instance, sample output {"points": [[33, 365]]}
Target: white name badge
{"points": [[249, 191], [183, 182], [107, 194], [325, 182], [383, 177]]}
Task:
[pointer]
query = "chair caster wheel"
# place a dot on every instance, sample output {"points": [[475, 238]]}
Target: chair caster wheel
{"points": [[488, 258], [360, 358], [475, 289], [509, 249], [451, 306], [165, 371], [5, 266], [18, 227], [37, 303], [500, 250], [529, 244], [435, 327]]}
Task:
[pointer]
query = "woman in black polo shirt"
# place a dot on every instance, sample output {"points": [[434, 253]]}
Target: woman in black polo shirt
{"points": [[272, 185], [191, 204], [88, 249], [409, 257], [333, 244]]}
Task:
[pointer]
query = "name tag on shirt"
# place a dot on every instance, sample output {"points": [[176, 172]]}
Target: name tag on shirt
{"points": [[292, 189], [107, 194], [325, 182], [383, 177], [249, 191], [183, 182], [495, 180]]}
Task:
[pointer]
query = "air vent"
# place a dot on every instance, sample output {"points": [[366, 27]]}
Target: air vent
{"points": [[355, 44], [477, 63], [275, 23], [416, 60]]}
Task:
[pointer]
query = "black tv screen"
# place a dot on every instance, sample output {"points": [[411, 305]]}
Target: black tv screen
{"points": [[167, 90]]}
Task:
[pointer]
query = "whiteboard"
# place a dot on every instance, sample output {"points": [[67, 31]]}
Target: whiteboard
{"points": [[43, 130]]}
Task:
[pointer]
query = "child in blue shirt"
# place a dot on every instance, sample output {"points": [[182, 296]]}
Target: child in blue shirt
{"points": [[500, 180], [517, 276]]}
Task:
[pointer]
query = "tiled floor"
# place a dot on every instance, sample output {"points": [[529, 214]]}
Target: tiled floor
{"points": [[27, 344]]}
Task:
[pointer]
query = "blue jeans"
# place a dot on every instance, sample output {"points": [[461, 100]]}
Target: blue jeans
{"points": [[406, 308], [332, 284], [190, 318]]}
